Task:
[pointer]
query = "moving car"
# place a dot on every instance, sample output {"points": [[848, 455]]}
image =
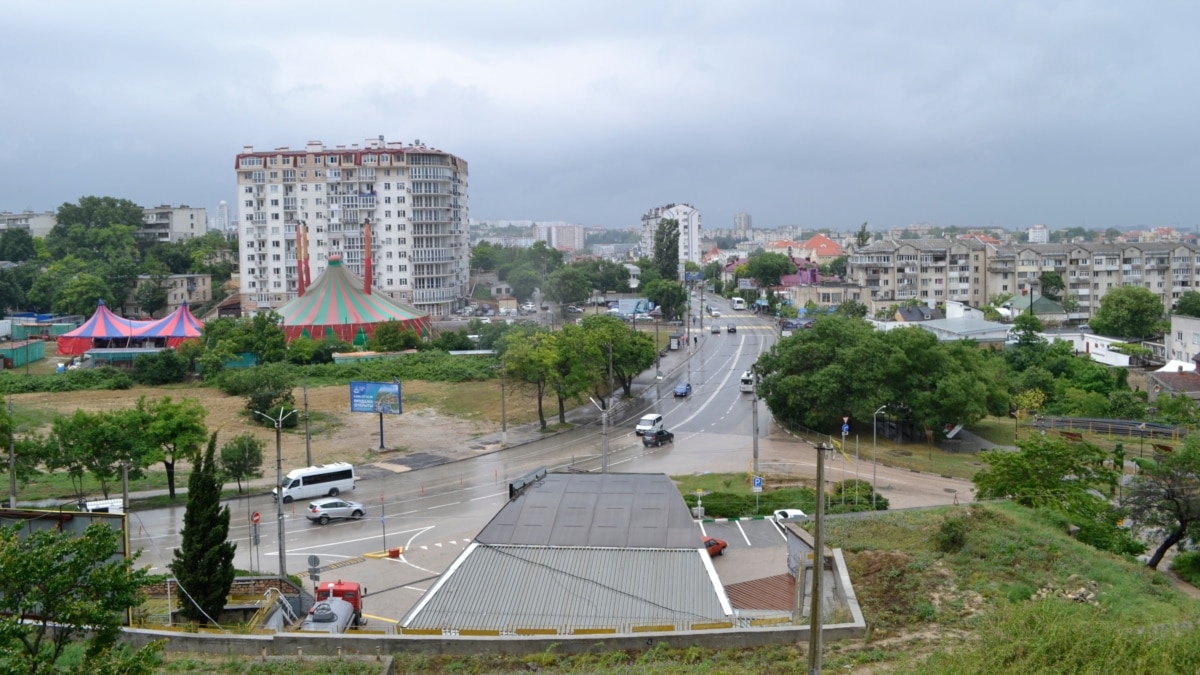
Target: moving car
{"points": [[657, 438], [683, 390], [731, 328], [574, 310], [324, 510], [714, 546], [789, 515], [716, 330], [648, 424]]}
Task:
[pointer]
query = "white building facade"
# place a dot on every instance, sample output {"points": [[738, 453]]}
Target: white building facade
{"points": [[689, 230], [172, 224], [561, 236], [413, 197]]}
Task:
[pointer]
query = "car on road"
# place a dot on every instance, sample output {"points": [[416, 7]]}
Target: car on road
{"points": [[683, 390], [714, 546], [649, 424], [789, 515], [731, 328], [716, 329], [486, 319], [575, 310], [653, 440], [529, 307], [324, 510]]}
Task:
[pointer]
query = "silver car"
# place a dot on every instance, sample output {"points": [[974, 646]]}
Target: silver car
{"points": [[324, 510]]}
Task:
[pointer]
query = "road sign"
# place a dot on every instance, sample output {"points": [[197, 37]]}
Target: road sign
{"points": [[255, 518], [314, 561], [846, 419], [845, 429], [758, 483]]}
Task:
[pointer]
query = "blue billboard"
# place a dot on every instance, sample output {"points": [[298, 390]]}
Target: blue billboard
{"points": [[375, 397]]}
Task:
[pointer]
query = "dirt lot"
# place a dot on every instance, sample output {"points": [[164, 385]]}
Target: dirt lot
{"points": [[337, 434]]}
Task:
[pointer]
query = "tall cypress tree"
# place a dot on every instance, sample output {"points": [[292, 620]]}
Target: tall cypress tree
{"points": [[204, 560]]}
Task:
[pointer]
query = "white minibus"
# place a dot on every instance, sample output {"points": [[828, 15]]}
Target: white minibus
{"points": [[746, 385], [317, 481], [738, 303]]}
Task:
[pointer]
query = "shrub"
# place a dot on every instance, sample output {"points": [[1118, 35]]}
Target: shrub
{"points": [[1187, 566], [951, 535], [164, 367]]}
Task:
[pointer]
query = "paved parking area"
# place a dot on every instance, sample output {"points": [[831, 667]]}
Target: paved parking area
{"points": [[757, 549]]}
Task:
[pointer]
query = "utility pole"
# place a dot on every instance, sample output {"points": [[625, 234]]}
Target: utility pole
{"points": [[604, 415], [307, 433], [503, 409], [12, 457], [278, 422], [874, 451], [814, 619], [754, 416]]}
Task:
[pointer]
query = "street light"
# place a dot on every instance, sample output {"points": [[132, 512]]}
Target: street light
{"points": [[503, 409], [874, 450], [278, 422]]}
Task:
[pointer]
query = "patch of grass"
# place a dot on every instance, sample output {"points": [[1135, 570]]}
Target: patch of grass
{"points": [[930, 460], [996, 430]]}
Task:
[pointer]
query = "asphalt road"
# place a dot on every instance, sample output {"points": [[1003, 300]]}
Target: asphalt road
{"points": [[434, 513]]}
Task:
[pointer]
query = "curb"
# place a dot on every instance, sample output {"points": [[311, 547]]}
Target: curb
{"points": [[733, 520]]}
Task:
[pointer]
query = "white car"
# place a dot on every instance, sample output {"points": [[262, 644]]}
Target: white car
{"points": [[790, 515]]}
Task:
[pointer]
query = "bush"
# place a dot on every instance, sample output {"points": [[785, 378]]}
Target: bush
{"points": [[164, 367], [1187, 566], [951, 535], [72, 380]]}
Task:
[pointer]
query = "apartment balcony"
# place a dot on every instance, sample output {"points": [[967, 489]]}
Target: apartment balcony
{"points": [[432, 255], [435, 295]]}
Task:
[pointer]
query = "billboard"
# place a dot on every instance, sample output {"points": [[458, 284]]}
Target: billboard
{"points": [[693, 276], [375, 397]]}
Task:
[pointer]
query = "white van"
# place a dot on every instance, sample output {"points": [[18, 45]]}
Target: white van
{"points": [[746, 385], [738, 303], [648, 424], [317, 481]]}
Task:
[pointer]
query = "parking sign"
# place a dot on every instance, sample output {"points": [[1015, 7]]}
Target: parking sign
{"points": [[758, 483]]}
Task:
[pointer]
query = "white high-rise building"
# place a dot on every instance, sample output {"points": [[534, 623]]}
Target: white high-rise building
{"points": [[1039, 234], [741, 223], [413, 197], [561, 236], [689, 230]]}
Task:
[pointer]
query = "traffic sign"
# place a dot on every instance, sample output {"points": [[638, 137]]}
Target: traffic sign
{"points": [[255, 518], [758, 483], [314, 561], [845, 429]]}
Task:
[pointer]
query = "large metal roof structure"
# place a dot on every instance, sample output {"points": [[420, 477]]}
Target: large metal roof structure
{"points": [[579, 553]]}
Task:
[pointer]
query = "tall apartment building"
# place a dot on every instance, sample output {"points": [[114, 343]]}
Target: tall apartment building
{"points": [[38, 224], [741, 224], [689, 230], [561, 236], [1039, 234], [173, 223], [974, 272], [413, 197]]}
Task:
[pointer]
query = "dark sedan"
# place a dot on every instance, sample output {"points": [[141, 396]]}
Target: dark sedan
{"points": [[658, 438]]}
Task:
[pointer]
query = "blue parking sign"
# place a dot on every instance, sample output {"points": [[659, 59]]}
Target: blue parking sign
{"points": [[758, 483], [845, 429]]}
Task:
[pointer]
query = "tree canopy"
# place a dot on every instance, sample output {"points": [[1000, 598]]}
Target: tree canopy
{"points": [[1129, 312], [1188, 304], [769, 267], [666, 248], [1164, 497]]}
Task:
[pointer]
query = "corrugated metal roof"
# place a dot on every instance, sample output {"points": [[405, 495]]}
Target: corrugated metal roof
{"points": [[606, 510], [777, 592], [503, 587]]}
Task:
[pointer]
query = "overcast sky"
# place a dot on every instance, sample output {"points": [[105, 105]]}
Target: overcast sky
{"points": [[812, 113]]}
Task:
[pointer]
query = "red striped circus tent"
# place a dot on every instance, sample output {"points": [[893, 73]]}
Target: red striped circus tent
{"points": [[171, 330], [336, 305], [102, 330]]}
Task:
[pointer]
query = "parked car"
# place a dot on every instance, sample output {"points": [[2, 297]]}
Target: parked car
{"points": [[716, 329], [529, 307], [731, 328], [789, 515], [324, 510], [575, 310], [485, 319], [714, 546], [653, 440], [683, 390]]}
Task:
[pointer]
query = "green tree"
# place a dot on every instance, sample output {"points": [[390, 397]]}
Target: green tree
{"points": [[671, 296], [12, 296], [836, 267], [393, 336], [530, 357], [768, 268], [16, 245], [203, 564], [666, 248], [485, 256], [97, 444], [1128, 312], [1052, 285], [569, 285], [852, 309], [1188, 304], [165, 367], [1046, 471], [264, 337], [242, 458], [863, 237], [99, 228], [649, 272], [572, 372], [171, 431], [1164, 497], [523, 280], [632, 351], [61, 588], [81, 294], [151, 296]]}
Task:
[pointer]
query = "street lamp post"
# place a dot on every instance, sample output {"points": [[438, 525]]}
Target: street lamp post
{"points": [[874, 450], [754, 413], [278, 422], [503, 409]]}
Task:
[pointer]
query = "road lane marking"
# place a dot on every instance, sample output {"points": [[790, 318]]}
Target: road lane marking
{"points": [[442, 506]]}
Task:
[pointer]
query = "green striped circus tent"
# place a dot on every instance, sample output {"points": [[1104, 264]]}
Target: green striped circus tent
{"points": [[337, 306]]}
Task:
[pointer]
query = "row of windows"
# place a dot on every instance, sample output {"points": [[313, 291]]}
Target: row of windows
{"points": [[328, 160]]}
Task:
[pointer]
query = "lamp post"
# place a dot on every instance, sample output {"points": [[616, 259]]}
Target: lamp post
{"points": [[814, 618], [503, 409], [12, 457], [278, 422], [307, 433], [754, 413], [874, 450]]}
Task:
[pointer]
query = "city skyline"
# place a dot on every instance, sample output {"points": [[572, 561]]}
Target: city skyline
{"points": [[995, 114]]}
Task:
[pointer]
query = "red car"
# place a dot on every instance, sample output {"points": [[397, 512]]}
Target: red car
{"points": [[714, 546]]}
